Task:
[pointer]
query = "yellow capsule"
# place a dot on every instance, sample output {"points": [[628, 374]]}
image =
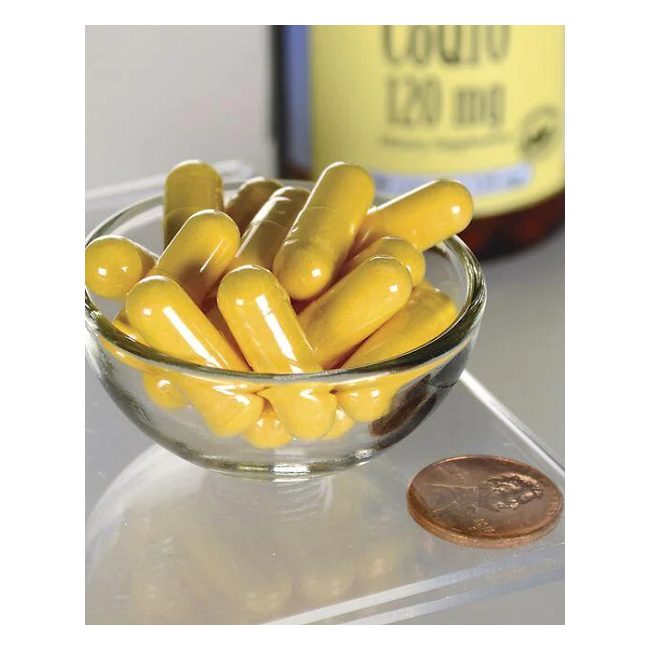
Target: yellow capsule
{"points": [[372, 398], [121, 323], [270, 226], [216, 318], [306, 410], [425, 216], [162, 392], [324, 231], [356, 306], [169, 321], [191, 186], [342, 424], [200, 253], [401, 249], [268, 431], [249, 199], [114, 265], [259, 315], [428, 314], [196, 258]]}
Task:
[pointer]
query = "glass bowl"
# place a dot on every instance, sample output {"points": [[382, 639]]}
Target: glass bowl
{"points": [[407, 388]]}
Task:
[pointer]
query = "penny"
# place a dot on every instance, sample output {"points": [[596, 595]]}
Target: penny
{"points": [[484, 501]]}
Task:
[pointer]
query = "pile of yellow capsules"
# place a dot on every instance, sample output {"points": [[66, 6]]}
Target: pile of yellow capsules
{"points": [[281, 280]]}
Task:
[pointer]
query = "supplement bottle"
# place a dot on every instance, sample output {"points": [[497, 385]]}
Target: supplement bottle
{"points": [[483, 104]]}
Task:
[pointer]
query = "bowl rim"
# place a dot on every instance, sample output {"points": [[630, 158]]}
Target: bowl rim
{"points": [[445, 345]]}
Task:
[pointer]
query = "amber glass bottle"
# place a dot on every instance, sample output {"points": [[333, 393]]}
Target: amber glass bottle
{"points": [[480, 103]]}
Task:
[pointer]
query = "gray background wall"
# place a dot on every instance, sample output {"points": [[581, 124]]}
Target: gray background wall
{"points": [[156, 95]]}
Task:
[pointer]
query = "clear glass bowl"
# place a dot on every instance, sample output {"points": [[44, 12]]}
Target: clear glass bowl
{"points": [[413, 384]]}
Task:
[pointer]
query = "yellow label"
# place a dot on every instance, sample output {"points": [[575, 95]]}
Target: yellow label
{"points": [[480, 103]]}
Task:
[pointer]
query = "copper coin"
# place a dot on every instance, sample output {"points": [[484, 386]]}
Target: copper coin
{"points": [[484, 501]]}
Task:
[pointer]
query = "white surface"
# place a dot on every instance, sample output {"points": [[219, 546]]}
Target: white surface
{"points": [[543, 605], [376, 566], [156, 95]]}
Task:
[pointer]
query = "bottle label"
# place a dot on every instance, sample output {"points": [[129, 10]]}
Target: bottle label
{"points": [[483, 104]]}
